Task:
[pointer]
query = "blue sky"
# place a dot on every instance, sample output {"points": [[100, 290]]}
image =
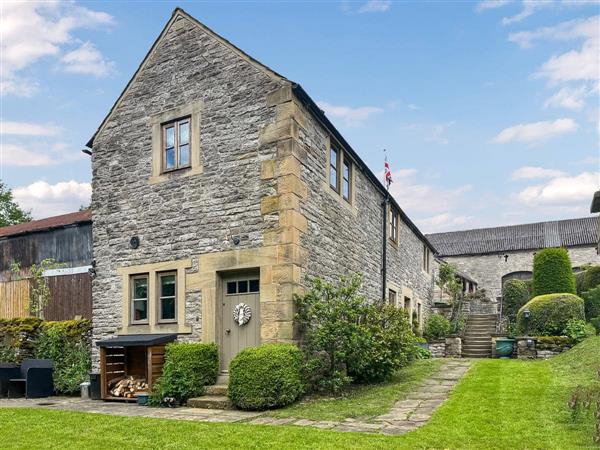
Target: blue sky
{"points": [[489, 110]]}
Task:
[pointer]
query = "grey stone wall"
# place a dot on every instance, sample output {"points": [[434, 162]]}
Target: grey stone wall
{"points": [[343, 239], [184, 216], [488, 270]]}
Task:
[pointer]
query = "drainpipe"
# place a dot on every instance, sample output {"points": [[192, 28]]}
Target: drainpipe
{"points": [[384, 207]]}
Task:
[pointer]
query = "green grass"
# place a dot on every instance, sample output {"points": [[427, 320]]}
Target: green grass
{"points": [[501, 404], [363, 402]]}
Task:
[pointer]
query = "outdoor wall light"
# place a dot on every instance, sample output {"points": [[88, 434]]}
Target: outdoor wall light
{"points": [[526, 314]]}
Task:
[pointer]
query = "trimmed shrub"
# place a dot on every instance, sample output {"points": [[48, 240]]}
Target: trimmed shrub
{"points": [[269, 376], [592, 303], [552, 273], [67, 343], [387, 344], [436, 327], [549, 314], [187, 369], [578, 330], [591, 279], [579, 282], [515, 294]]}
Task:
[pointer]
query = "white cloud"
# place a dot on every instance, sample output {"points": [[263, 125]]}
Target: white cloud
{"points": [[87, 60], [443, 222], [18, 156], [573, 29], [536, 131], [575, 65], [564, 190], [570, 98], [33, 30], [529, 7], [351, 116], [422, 198], [528, 173], [27, 129], [45, 199], [438, 133], [491, 4], [375, 6]]}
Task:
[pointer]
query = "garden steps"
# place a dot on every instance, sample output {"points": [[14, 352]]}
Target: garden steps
{"points": [[210, 402], [477, 339], [216, 389]]}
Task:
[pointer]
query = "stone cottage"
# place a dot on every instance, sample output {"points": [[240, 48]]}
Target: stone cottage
{"points": [[218, 186], [494, 255]]}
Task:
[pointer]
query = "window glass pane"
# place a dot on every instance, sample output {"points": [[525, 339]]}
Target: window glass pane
{"points": [[140, 288], [231, 287], [184, 132], [170, 158], [346, 170], [170, 137], [333, 178], [333, 157], [140, 310], [242, 287], [167, 286], [184, 155], [254, 286], [346, 189], [167, 308]]}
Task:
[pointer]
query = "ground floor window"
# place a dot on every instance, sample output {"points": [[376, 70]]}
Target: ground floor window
{"points": [[392, 297]]}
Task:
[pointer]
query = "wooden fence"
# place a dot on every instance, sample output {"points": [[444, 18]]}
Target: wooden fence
{"points": [[14, 299], [70, 296]]}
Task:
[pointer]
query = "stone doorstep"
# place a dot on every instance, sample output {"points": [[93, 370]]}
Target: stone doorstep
{"points": [[210, 402], [216, 389]]}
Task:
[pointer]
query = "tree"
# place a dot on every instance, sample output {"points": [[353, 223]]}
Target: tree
{"points": [[450, 285], [10, 212], [552, 273]]}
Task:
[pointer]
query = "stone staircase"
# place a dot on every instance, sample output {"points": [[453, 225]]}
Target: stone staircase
{"points": [[477, 340], [215, 396]]}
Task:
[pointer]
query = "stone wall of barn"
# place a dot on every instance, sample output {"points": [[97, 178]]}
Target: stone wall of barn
{"points": [[488, 270]]}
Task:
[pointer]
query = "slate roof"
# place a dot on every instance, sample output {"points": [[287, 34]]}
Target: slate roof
{"points": [[47, 223], [530, 236]]}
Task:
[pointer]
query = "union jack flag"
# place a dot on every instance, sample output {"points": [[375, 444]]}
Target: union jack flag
{"points": [[388, 173]]}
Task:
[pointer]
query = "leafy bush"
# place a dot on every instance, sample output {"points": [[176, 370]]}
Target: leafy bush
{"points": [[387, 344], [436, 327], [187, 369], [591, 278], [592, 303], [578, 330], [421, 353], [7, 354], [561, 341], [552, 273], [580, 282], [343, 336], [549, 314], [328, 317], [515, 294], [67, 344], [264, 377]]}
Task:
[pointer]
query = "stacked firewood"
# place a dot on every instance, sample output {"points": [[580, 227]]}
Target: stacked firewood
{"points": [[127, 387]]}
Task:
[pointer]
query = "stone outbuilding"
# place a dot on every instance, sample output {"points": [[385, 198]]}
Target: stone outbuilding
{"points": [[218, 186], [494, 255]]}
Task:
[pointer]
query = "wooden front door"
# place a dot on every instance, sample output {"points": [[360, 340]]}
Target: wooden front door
{"points": [[241, 315]]}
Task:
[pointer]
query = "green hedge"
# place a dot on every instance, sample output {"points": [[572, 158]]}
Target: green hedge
{"points": [[187, 369], [436, 327], [68, 344], [596, 324], [269, 376], [552, 273], [550, 314], [592, 303], [515, 294], [591, 279], [579, 282]]}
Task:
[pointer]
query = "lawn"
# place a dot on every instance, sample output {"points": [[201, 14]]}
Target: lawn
{"points": [[501, 404], [363, 402]]}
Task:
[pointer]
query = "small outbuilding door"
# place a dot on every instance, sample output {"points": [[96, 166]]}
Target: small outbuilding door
{"points": [[241, 315]]}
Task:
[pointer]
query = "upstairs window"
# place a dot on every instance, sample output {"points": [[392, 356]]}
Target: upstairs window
{"points": [[176, 144], [392, 295], [346, 180], [426, 258], [333, 169], [393, 225]]}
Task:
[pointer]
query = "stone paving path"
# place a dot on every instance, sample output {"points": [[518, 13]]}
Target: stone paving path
{"points": [[406, 415]]}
